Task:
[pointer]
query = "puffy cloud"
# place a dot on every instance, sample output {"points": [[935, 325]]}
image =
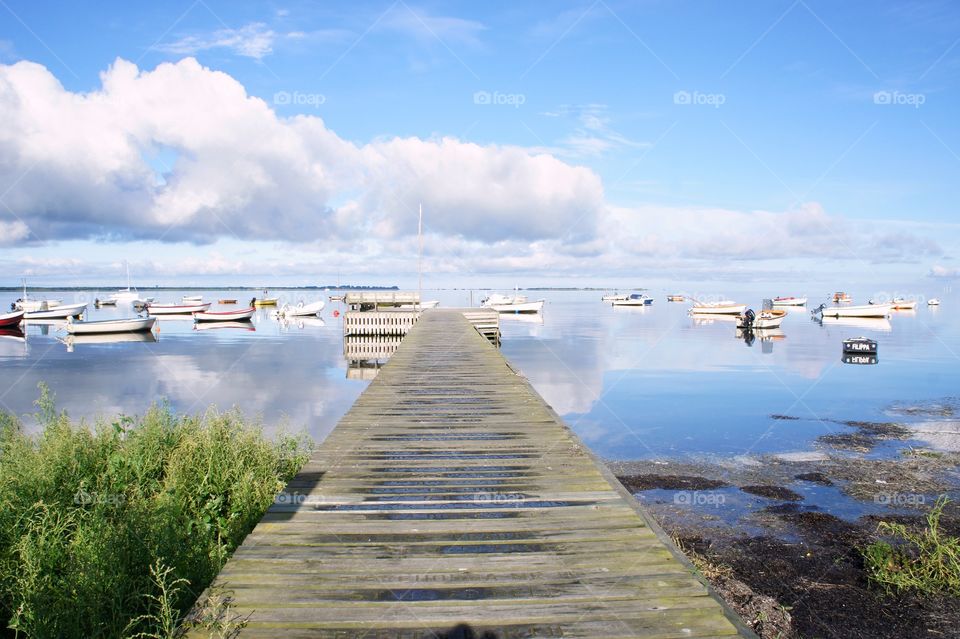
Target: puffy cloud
{"points": [[78, 165]]}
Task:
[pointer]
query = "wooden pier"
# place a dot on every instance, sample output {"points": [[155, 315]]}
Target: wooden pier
{"points": [[451, 494]]}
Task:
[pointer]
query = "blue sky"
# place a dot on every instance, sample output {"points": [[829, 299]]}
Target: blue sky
{"points": [[607, 141]]}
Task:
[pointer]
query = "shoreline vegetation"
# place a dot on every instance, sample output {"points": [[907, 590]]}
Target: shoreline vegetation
{"points": [[114, 529]]}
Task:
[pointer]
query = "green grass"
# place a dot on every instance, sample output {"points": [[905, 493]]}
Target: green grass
{"points": [[926, 561], [114, 530]]}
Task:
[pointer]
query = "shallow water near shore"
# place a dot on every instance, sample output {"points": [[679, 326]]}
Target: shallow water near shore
{"points": [[634, 383]]}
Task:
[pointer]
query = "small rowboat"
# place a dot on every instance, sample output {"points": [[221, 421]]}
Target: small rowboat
{"points": [[766, 319], [725, 307], [266, 301], [130, 325], [615, 297], [900, 304], [789, 301], [62, 311], [933, 302], [176, 309], [192, 299], [11, 319], [867, 310], [301, 309], [238, 315], [841, 298], [675, 298], [226, 301]]}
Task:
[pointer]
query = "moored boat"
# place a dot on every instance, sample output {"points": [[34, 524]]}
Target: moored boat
{"points": [[62, 311], [789, 301], [860, 345], [192, 299], [771, 318], [515, 304], [264, 300], [9, 320], [901, 304], [238, 315], [127, 325], [615, 297], [675, 298], [865, 310], [634, 299], [176, 309], [725, 307], [841, 298], [933, 301], [226, 301], [300, 309]]}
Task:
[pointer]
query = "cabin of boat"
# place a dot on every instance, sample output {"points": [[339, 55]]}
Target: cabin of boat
{"points": [[840, 296]]}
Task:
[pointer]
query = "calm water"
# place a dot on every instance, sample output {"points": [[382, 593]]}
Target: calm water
{"points": [[633, 382]]}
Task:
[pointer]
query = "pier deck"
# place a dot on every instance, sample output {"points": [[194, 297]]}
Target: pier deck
{"points": [[451, 493]]}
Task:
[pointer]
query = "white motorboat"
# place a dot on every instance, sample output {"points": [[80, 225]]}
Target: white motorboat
{"points": [[128, 325], [615, 297], [789, 301], [29, 304], [771, 318], [238, 315], [634, 299], [515, 304], [725, 307], [301, 309], [176, 309], [62, 311], [865, 310], [933, 301]]}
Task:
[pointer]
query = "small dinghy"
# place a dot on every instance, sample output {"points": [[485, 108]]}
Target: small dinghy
{"points": [[63, 311], [238, 315], [301, 309], [615, 297], [99, 327], [764, 319], [863, 345], [933, 302], [675, 298], [176, 309], [725, 307], [789, 301]]}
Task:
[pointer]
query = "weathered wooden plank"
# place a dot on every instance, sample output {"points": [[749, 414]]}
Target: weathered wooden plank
{"points": [[451, 493]]}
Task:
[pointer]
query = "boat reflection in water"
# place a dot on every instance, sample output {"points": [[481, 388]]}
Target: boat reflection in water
{"points": [[859, 358], [705, 319], [71, 341], [301, 323], [242, 325], [879, 324], [13, 343], [767, 337]]}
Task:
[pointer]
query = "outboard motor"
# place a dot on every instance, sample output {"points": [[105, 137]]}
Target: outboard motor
{"points": [[748, 317]]}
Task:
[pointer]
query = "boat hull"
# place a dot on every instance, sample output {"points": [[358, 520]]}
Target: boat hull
{"points": [[726, 309], [239, 315], [60, 312], [176, 309], [132, 325], [8, 320], [521, 307], [869, 310], [790, 301], [629, 302], [304, 310]]}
